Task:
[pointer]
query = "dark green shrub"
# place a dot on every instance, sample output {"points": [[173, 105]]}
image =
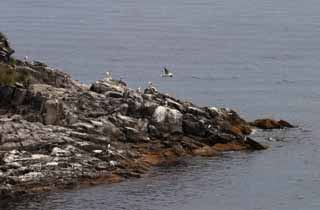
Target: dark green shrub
{"points": [[7, 76]]}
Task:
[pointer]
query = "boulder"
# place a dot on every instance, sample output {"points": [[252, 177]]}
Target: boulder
{"points": [[193, 126], [52, 112], [167, 120], [105, 85]]}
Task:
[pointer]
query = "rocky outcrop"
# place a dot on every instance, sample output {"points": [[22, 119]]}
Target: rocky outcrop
{"points": [[57, 133], [5, 50]]}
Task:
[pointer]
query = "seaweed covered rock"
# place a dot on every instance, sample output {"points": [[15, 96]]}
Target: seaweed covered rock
{"points": [[268, 124]]}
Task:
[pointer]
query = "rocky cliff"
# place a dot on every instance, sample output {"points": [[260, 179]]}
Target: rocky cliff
{"points": [[57, 133]]}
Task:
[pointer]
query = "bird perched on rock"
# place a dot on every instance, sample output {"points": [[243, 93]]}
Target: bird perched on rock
{"points": [[108, 76], [25, 59], [113, 163], [166, 73], [151, 89], [109, 151], [121, 82]]}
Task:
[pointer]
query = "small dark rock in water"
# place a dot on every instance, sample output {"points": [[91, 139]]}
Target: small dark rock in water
{"points": [[271, 124], [255, 145], [285, 124], [57, 133]]}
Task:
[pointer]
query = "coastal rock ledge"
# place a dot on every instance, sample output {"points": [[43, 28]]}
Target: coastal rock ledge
{"points": [[56, 133]]}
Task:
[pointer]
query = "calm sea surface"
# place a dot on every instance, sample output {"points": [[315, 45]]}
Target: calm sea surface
{"points": [[261, 58]]}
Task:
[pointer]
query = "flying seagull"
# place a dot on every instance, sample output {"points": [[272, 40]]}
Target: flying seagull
{"points": [[166, 73]]}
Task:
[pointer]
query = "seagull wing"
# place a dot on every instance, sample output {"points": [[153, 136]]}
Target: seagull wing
{"points": [[166, 71]]}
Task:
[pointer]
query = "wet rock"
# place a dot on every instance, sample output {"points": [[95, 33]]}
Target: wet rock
{"points": [[271, 124], [285, 124], [31, 176], [7, 193], [206, 151], [255, 145]]}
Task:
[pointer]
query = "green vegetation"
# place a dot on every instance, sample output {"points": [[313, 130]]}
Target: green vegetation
{"points": [[12, 61], [9, 76]]}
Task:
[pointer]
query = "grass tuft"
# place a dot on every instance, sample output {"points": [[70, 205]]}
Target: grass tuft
{"points": [[9, 76]]}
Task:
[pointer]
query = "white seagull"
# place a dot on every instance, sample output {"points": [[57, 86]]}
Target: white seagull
{"points": [[108, 76], [166, 73]]}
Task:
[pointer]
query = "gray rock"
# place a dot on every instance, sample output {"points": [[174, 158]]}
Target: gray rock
{"points": [[167, 120], [52, 112], [114, 94], [133, 135], [103, 86], [18, 96], [57, 152], [175, 105], [5, 50], [193, 126]]}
